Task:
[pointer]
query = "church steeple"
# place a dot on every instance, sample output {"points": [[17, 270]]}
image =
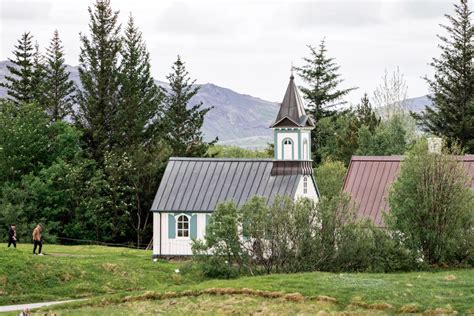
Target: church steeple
{"points": [[292, 127], [292, 112]]}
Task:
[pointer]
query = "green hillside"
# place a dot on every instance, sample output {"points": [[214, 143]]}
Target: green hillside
{"points": [[112, 274]]}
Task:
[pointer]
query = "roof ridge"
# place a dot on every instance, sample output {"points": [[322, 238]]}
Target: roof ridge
{"points": [[220, 159], [467, 157]]}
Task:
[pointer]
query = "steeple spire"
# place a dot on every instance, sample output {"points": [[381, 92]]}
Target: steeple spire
{"points": [[292, 112]]}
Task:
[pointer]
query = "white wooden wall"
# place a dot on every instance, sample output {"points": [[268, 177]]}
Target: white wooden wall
{"points": [[177, 245]]}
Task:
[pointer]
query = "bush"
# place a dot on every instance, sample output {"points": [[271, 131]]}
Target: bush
{"points": [[296, 236], [432, 206], [362, 247], [330, 175]]}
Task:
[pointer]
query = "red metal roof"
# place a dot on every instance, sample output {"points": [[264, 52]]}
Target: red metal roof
{"points": [[369, 178]]}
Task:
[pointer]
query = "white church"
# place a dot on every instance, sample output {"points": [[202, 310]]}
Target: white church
{"points": [[192, 187]]}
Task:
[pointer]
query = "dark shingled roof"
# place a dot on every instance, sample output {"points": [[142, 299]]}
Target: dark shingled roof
{"points": [[198, 184], [369, 179], [292, 112]]}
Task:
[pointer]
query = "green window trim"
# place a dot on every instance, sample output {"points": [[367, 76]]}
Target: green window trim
{"points": [[277, 144], [171, 226], [193, 227]]}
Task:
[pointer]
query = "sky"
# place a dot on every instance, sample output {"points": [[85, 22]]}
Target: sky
{"points": [[249, 46]]}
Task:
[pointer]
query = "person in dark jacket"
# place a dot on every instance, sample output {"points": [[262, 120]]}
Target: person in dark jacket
{"points": [[12, 236]]}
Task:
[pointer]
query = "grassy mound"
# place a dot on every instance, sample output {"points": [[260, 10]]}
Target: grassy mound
{"points": [[119, 279], [79, 271], [206, 305]]}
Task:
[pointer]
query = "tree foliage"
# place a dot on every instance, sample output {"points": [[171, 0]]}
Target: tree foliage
{"points": [[389, 138], [19, 83], [182, 122], [391, 94], [99, 73], [321, 75], [59, 90], [45, 176], [330, 175], [295, 236], [140, 107], [452, 88], [433, 207], [366, 115], [323, 94]]}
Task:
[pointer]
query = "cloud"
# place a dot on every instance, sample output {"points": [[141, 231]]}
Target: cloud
{"points": [[24, 10], [192, 19], [331, 13], [423, 9], [356, 13]]}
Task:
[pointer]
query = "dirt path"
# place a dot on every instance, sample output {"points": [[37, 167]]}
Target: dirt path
{"points": [[12, 308]]}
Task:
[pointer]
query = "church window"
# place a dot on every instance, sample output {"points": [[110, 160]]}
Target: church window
{"points": [[183, 226], [287, 149], [305, 185]]}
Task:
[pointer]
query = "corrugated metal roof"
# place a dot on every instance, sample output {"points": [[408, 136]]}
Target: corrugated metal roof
{"points": [[292, 112], [199, 184], [369, 178]]}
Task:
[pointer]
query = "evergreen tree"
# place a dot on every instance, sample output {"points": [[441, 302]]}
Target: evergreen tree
{"points": [[38, 76], [452, 89], [182, 124], [134, 169], [366, 115], [59, 90], [140, 107], [18, 83], [323, 94], [99, 73], [321, 75]]}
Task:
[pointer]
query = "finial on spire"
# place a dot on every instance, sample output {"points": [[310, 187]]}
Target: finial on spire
{"points": [[292, 77]]}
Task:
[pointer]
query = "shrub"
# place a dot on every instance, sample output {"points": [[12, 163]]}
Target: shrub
{"points": [[296, 236], [432, 206]]}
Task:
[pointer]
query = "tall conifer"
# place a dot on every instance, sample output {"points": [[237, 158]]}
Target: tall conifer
{"points": [[140, 106], [452, 89], [99, 73], [59, 89], [322, 92], [18, 83], [137, 132], [38, 77], [182, 124]]}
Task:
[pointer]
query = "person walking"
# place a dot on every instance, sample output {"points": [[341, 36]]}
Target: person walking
{"points": [[12, 236], [37, 239]]}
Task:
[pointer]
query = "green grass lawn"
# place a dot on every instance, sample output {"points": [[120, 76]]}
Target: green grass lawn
{"points": [[109, 274]]}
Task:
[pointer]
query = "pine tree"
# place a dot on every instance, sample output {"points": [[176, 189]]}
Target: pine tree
{"points": [[321, 75], [452, 89], [137, 132], [140, 107], [18, 84], [182, 124], [59, 90], [38, 76], [366, 115], [323, 94], [99, 74]]}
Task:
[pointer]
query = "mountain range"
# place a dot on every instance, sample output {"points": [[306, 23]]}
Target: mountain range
{"points": [[236, 119]]}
